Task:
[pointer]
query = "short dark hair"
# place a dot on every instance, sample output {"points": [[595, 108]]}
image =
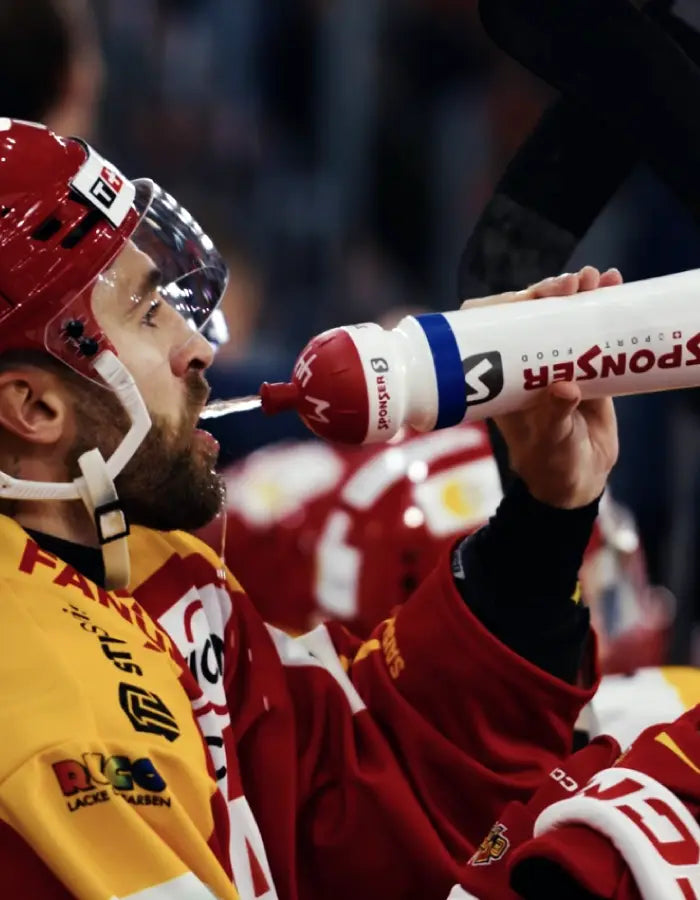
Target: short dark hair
{"points": [[38, 42], [41, 359]]}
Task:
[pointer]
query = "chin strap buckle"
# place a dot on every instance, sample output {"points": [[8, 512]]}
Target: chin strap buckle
{"points": [[99, 495], [111, 522]]}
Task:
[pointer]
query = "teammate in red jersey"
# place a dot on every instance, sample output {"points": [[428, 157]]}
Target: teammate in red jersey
{"points": [[318, 531], [354, 530], [322, 766]]}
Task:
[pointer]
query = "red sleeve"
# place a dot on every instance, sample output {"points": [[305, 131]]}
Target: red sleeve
{"points": [[355, 791], [381, 782], [487, 876], [337, 815], [474, 725]]}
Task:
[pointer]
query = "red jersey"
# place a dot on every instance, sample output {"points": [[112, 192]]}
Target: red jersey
{"points": [[355, 769]]}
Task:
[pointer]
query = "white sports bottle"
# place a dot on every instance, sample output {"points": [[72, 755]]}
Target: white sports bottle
{"points": [[359, 383]]}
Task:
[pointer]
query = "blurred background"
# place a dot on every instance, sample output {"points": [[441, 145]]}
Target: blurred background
{"points": [[339, 151]]}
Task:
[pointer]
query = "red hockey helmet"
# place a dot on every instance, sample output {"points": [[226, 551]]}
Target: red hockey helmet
{"points": [[65, 215], [56, 235]]}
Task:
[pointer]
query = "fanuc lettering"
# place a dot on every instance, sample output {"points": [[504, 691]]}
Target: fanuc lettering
{"points": [[120, 600], [594, 363]]}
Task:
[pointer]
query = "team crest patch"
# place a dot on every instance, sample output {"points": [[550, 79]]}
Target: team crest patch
{"points": [[493, 847]]}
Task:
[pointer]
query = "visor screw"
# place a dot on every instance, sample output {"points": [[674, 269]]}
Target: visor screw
{"points": [[89, 346], [74, 328]]}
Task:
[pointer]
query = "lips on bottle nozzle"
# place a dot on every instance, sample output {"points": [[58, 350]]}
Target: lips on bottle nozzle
{"points": [[279, 397]]}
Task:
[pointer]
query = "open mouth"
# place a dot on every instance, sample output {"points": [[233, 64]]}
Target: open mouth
{"points": [[211, 443]]}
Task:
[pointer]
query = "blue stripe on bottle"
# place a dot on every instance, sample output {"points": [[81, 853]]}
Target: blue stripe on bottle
{"points": [[452, 394]]}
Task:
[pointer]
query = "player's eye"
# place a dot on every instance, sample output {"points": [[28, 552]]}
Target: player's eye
{"points": [[151, 312]]}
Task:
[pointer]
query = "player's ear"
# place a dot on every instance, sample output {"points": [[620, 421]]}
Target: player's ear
{"points": [[33, 405]]}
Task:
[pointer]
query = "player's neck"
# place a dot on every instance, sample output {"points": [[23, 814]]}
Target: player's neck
{"points": [[68, 520]]}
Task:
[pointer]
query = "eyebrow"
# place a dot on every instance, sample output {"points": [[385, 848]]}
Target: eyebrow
{"points": [[150, 281]]}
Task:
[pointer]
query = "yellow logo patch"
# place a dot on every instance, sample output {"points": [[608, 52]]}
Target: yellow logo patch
{"points": [[493, 847]]}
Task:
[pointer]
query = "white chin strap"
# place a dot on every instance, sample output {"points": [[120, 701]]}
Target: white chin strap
{"points": [[96, 486]]}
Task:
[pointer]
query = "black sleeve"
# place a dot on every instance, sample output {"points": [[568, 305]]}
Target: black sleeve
{"points": [[519, 576]]}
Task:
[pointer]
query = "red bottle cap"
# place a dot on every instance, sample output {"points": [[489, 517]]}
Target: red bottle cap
{"points": [[328, 389]]}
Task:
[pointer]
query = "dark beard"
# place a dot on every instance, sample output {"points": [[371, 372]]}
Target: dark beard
{"points": [[168, 484], [169, 487]]}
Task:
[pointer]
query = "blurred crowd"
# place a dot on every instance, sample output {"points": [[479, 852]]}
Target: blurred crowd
{"points": [[340, 151]]}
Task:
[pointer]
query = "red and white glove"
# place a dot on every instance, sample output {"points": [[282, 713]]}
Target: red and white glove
{"points": [[632, 832]]}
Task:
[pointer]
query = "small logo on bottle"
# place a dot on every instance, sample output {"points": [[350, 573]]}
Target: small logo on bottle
{"points": [[483, 377]]}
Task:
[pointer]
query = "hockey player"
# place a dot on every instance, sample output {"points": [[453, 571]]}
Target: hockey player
{"points": [[285, 768], [354, 530]]}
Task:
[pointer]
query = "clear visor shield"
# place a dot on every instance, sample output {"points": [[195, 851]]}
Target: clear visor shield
{"points": [[155, 297]]}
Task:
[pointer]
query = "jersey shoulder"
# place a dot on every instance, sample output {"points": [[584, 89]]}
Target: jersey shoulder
{"points": [[151, 550]]}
